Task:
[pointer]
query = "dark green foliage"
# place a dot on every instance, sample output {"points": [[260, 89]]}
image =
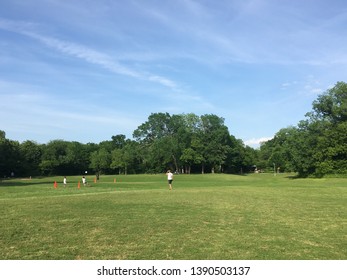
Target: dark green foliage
{"points": [[31, 154], [9, 156], [318, 145], [182, 143]]}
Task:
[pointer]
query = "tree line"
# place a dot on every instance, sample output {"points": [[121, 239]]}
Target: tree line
{"points": [[188, 143], [185, 143], [317, 146]]}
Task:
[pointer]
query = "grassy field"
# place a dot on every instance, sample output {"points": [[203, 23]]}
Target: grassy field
{"points": [[258, 216]]}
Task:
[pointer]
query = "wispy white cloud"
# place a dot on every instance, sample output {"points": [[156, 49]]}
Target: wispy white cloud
{"points": [[87, 54], [308, 86], [163, 81]]}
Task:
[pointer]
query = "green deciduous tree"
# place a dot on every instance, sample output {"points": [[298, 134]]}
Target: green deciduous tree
{"points": [[215, 138], [160, 137], [9, 156], [54, 158], [126, 157], [100, 161], [31, 154], [317, 146]]}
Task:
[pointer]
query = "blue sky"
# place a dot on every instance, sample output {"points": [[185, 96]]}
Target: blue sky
{"points": [[85, 70]]}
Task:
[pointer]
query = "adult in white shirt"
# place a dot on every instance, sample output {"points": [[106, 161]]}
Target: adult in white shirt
{"points": [[169, 179]]}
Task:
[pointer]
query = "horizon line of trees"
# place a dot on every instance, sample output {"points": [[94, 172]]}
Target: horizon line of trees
{"points": [[188, 143], [184, 143]]}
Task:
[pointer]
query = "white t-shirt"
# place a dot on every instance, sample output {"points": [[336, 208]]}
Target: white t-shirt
{"points": [[169, 176]]}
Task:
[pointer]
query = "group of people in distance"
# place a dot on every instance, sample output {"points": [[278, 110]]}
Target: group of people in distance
{"points": [[169, 175], [84, 181]]}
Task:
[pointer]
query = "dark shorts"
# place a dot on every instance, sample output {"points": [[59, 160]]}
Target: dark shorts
{"points": [[170, 181]]}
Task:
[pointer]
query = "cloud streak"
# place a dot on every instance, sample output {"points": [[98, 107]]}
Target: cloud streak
{"points": [[84, 53]]}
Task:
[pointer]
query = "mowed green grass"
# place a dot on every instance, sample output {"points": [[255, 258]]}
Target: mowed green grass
{"points": [[211, 216]]}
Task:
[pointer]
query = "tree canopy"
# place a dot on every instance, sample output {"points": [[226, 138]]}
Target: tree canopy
{"points": [[184, 143], [317, 145]]}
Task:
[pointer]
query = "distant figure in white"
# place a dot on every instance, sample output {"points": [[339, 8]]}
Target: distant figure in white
{"points": [[84, 181], [169, 179]]}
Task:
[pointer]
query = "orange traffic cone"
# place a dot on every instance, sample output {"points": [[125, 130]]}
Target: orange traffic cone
{"points": [[79, 185], [55, 184]]}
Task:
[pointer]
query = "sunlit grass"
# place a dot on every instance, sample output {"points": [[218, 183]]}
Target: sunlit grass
{"points": [[207, 216]]}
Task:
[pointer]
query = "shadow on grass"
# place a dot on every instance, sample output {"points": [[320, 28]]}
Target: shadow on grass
{"points": [[22, 182], [292, 177]]}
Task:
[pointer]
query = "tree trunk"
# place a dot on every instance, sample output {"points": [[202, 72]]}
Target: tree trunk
{"points": [[175, 162]]}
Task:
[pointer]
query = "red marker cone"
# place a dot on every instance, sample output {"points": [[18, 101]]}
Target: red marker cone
{"points": [[79, 185], [55, 184]]}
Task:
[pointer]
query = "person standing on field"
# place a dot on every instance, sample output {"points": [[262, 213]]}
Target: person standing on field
{"points": [[84, 181], [64, 181], [169, 178]]}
